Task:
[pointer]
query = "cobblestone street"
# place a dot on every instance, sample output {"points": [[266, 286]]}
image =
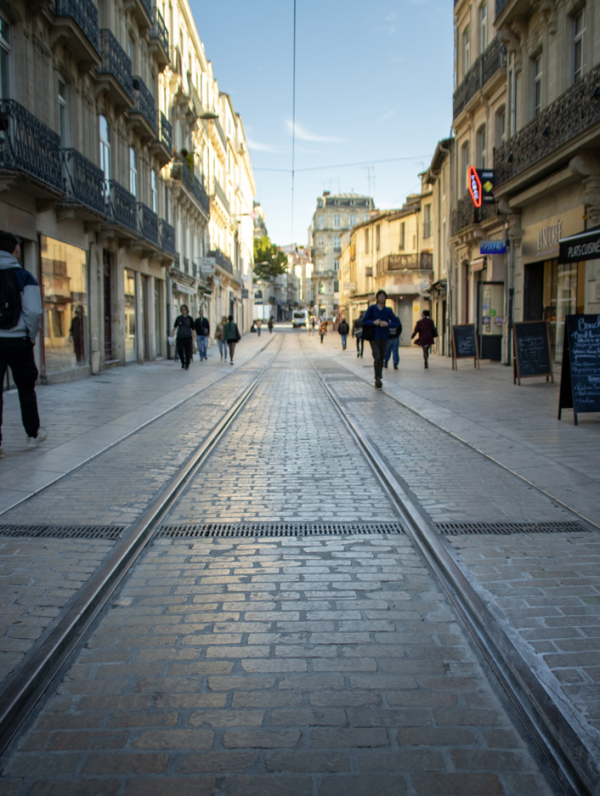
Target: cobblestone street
{"points": [[307, 665]]}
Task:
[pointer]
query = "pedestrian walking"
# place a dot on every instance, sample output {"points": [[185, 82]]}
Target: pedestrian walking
{"points": [[231, 335], [313, 323], [344, 330], [219, 338], [377, 321], [426, 331], [323, 329], [202, 333], [357, 330], [393, 345], [184, 332], [258, 324], [270, 324], [20, 312]]}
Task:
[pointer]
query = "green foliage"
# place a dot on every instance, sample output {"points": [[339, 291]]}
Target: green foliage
{"points": [[268, 261]]}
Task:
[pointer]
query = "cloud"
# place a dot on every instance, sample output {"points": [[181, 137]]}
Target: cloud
{"points": [[261, 147], [304, 135], [386, 115]]}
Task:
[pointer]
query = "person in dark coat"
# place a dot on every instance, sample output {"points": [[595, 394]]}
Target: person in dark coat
{"points": [[382, 318], [202, 333], [231, 335], [184, 329], [343, 329], [427, 333], [357, 333]]}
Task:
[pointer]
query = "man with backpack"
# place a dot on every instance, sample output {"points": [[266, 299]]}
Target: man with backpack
{"points": [[344, 329], [20, 312]]}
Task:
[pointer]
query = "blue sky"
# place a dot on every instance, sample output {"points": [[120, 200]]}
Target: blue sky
{"points": [[373, 82]]}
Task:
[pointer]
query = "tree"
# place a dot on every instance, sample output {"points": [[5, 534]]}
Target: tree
{"points": [[268, 260]]}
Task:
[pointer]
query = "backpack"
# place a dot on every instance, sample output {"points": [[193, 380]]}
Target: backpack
{"points": [[10, 299]]}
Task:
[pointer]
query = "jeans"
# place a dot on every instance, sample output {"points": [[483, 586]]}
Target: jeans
{"points": [[258, 328], [184, 349], [17, 354], [202, 345], [222, 349], [392, 348], [344, 340], [360, 345], [378, 348]]}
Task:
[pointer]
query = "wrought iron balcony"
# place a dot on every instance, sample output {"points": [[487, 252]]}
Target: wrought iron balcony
{"points": [[115, 61], [84, 13], [167, 236], [465, 214], [83, 181], [181, 171], [500, 6], [160, 35], [121, 205], [484, 68], [161, 145], [143, 104], [572, 113], [148, 223], [221, 195], [222, 260], [27, 145], [404, 262], [186, 265]]}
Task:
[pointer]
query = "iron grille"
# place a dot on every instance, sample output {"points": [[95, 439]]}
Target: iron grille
{"points": [[148, 223], [165, 131], [281, 529], [167, 236], [143, 102], [485, 67], [84, 181], [63, 531], [507, 528], [159, 29], [222, 260], [465, 214], [115, 60], [181, 171], [85, 14], [122, 206]]}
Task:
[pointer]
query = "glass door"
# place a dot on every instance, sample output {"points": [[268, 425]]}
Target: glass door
{"points": [[490, 319], [130, 324]]}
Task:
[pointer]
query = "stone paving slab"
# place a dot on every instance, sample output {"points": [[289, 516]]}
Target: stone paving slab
{"points": [[515, 426], [203, 685]]}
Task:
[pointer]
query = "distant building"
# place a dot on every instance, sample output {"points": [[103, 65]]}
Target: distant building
{"points": [[260, 226], [300, 264]]}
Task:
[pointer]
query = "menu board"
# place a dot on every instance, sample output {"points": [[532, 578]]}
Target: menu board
{"points": [[531, 344], [464, 344], [580, 377]]}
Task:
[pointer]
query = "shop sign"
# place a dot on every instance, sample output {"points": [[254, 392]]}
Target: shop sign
{"points": [[474, 185], [541, 241], [585, 246], [486, 178], [208, 265], [492, 247], [548, 237]]}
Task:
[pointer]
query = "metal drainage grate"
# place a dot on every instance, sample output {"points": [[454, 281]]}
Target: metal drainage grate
{"points": [[507, 528], [263, 529], [64, 531]]}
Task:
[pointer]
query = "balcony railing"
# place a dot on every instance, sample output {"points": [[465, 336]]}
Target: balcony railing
{"points": [[484, 68], [572, 113], [500, 5], [219, 191], [115, 60], [164, 129], [403, 262], [465, 214], [143, 101], [148, 6], [28, 145], [83, 181], [121, 205], [167, 236], [85, 14], [222, 260], [159, 29], [181, 171], [148, 223]]}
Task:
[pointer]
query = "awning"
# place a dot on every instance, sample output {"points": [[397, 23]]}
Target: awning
{"points": [[583, 246], [478, 264]]}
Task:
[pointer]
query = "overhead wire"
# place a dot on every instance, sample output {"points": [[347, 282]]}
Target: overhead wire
{"points": [[340, 165]]}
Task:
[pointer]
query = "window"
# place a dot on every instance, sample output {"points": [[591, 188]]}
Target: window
{"points": [[466, 50], [320, 203], [63, 116], [133, 175], [427, 221], [513, 86], [320, 242], [378, 237], [414, 242], [481, 138], [154, 191], [444, 246], [402, 244], [321, 287], [320, 222], [5, 91], [483, 19], [336, 286], [578, 31], [337, 242], [366, 241], [500, 126], [336, 264], [337, 222], [444, 181], [537, 85], [167, 203], [105, 147], [465, 167], [352, 220]]}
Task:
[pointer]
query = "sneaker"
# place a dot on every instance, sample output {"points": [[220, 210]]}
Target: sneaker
{"points": [[395, 367], [357, 356], [33, 442], [2, 454]]}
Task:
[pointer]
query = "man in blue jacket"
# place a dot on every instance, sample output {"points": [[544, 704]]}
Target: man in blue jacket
{"points": [[20, 312], [383, 319]]}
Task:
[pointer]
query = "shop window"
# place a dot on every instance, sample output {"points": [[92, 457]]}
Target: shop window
{"points": [[578, 34], [130, 297], [5, 91], [65, 292]]}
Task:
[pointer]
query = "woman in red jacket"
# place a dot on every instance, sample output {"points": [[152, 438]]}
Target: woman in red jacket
{"points": [[427, 333]]}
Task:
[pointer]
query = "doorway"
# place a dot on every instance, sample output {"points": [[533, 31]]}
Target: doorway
{"points": [[405, 313], [158, 341], [490, 319], [534, 292], [108, 320], [145, 318]]}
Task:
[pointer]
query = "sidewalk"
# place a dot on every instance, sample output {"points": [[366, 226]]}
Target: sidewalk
{"points": [[514, 426], [86, 417]]}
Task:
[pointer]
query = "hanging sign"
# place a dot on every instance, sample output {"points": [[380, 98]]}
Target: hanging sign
{"points": [[486, 178], [492, 247], [474, 185]]}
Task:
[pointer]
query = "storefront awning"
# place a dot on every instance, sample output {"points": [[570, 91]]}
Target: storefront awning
{"points": [[478, 264], [583, 246]]}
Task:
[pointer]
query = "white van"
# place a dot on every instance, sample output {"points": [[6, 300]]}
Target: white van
{"points": [[300, 318]]}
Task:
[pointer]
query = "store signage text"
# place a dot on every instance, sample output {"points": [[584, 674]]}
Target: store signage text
{"points": [[474, 185], [492, 247], [548, 237]]}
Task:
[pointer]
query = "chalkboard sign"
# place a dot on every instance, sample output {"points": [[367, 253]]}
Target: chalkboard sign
{"points": [[580, 377], [464, 344], [531, 344]]}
